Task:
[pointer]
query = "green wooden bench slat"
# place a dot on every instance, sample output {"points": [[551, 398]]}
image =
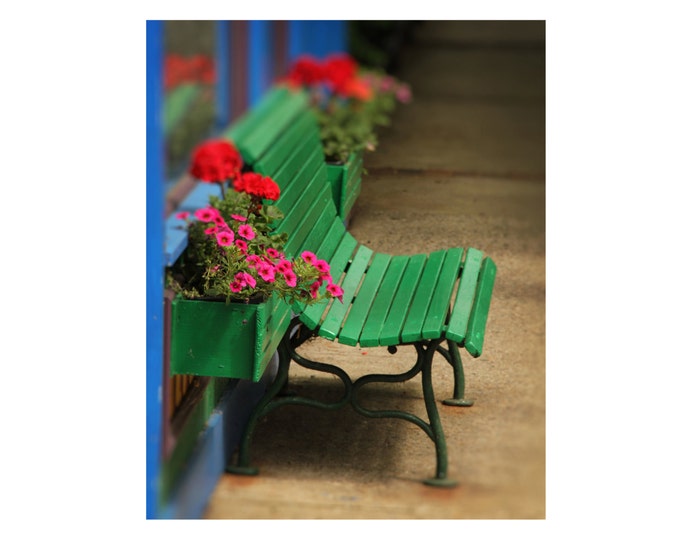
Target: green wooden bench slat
{"points": [[350, 284], [238, 130], [441, 298], [421, 300], [303, 155], [391, 331], [370, 335], [261, 136], [351, 330], [297, 135], [462, 306], [342, 256], [311, 189], [474, 338], [292, 187], [311, 315], [306, 237], [317, 235], [331, 240]]}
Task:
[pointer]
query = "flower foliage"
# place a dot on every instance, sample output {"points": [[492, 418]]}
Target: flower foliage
{"points": [[234, 251], [350, 102]]}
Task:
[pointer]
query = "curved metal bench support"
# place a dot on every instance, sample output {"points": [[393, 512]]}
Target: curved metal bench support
{"points": [[274, 398]]}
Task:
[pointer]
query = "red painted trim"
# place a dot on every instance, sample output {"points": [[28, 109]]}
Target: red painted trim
{"points": [[280, 44]]}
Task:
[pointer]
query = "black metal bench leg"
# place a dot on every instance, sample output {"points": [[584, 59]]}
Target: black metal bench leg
{"points": [[453, 358], [243, 463], [276, 396], [433, 429], [438, 437]]}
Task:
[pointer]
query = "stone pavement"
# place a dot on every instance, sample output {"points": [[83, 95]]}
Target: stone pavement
{"points": [[462, 165]]}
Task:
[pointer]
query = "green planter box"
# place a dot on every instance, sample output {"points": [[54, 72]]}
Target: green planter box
{"points": [[346, 183], [214, 339]]}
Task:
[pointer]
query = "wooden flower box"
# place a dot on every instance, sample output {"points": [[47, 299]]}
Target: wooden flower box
{"points": [[345, 180], [215, 339]]}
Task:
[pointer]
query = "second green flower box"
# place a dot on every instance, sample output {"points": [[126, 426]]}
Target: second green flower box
{"points": [[345, 180]]}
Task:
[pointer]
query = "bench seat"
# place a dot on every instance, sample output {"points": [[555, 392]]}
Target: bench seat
{"points": [[393, 300]]}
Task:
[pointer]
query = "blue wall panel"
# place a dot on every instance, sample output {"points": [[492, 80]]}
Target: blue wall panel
{"points": [[222, 55], [154, 260], [260, 59], [316, 38]]}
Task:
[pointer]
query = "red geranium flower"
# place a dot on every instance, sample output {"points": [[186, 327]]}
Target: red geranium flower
{"points": [[355, 88], [306, 71], [216, 161], [257, 185], [340, 69]]}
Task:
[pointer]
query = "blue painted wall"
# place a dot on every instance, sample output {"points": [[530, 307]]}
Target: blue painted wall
{"points": [[317, 38], [222, 53], [154, 260]]}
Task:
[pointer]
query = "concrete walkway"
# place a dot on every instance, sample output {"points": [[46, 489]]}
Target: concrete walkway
{"points": [[462, 165]]}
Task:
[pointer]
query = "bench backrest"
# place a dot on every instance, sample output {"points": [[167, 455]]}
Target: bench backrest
{"points": [[281, 139]]}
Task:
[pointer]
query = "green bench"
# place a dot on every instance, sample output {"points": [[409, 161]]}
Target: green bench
{"points": [[436, 302], [177, 104]]}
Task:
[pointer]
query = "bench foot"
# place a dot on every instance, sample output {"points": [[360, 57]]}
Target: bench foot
{"points": [[453, 402], [441, 482], [243, 471]]}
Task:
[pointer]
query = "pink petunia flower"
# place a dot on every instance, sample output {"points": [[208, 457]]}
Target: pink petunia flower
{"points": [[210, 230], [335, 291], [266, 272], [290, 277], [387, 84], [253, 261], [246, 231], [239, 217], [246, 278], [284, 266], [242, 246], [273, 253], [403, 94], [314, 289], [182, 215], [219, 220], [308, 257], [322, 265], [236, 286], [225, 238], [205, 215]]}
